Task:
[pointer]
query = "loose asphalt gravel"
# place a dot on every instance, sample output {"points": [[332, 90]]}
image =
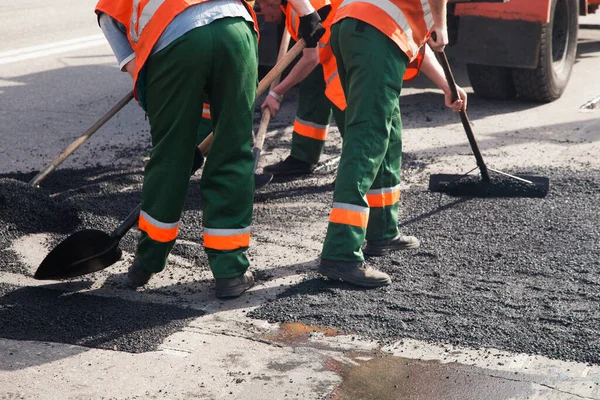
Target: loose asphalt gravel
{"points": [[520, 274]]}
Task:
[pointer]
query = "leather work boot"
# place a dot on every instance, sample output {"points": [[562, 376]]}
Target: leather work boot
{"points": [[356, 273], [234, 287], [384, 247], [290, 166], [138, 275]]}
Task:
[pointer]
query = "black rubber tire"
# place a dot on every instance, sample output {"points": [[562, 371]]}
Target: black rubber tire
{"points": [[558, 49], [492, 82]]}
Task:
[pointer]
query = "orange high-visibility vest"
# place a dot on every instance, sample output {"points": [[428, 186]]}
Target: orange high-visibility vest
{"points": [[406, 22], [333, 85], [146, 20]]}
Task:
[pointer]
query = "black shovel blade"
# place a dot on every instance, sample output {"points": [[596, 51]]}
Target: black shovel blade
{"points": [[499, 186], [262, 180], [80, 254]]}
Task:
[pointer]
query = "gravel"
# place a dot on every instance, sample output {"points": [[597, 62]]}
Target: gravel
{"points": [[519, 274]]}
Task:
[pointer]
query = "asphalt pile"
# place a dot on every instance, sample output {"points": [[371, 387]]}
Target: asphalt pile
{"points": [[27, 210], [70, 200], [519, 274], [498, 186]]}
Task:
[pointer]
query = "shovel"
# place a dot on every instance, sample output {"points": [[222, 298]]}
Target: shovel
{"points": [[263, 179], [92, 250], [515, 186]]}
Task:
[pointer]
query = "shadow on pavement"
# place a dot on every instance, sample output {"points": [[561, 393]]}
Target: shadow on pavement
{"points": [[52, 315]]}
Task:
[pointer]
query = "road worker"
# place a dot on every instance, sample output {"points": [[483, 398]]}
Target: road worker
{"points": [[373, 42], [177, 51], [321, 95]]}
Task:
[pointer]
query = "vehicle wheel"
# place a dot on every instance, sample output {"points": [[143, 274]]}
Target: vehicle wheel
{"points": [[558, 48], [491, 82]]}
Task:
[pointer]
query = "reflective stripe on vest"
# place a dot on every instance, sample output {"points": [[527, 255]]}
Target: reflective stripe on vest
{"points": [[226, 239], [157, 230], [139, 19], [349, 214], [310, 129], [206, 111], [383, 197], [406, 22]]}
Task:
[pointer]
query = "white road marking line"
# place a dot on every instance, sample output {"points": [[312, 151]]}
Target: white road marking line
{"points": [[28, 53]]}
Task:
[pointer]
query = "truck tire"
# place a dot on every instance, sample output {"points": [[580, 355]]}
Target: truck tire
{"points": [[558, 48], [491, 82]]}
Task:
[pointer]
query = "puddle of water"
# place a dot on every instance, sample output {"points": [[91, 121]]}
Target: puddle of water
{"points": [[386, 377], [295, 332]]}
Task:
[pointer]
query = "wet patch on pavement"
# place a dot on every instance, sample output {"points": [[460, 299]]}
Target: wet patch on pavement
{"points": [[386, 377], [518, 274], [52, 315]]}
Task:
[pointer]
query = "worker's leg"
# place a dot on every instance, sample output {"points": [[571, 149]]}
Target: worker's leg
{"points": [[384, 194], [227, 183], [310, 128], [371, 68], [312, 118], [175, 79], [340, 119]]}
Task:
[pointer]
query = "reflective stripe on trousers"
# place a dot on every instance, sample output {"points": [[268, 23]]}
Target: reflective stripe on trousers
{"points": [[159, 231], [226, 239], [383, 197], [349, 214], [206, 111], [310, 129]]}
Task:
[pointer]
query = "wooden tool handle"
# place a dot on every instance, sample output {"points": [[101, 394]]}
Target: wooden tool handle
{"points": [[266, 115], [485, 174], [70, 149]]}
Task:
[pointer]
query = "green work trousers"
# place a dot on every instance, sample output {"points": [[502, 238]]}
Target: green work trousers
{"points": [[218, 61], [313, 117], [371, 68]]}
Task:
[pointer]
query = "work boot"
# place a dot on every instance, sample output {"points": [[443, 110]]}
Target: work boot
{"points": [[234, 287], [138, 275], [355, 273], [290, 166], [384, 247]]}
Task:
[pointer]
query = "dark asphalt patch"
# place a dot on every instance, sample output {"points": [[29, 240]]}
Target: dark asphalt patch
{"points": [[498, 186], [42, 314], [518, 274]]}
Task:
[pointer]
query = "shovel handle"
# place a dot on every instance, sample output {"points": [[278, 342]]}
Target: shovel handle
{"points": [[70, 149], [485, 175], [266, 115], [127, 224]]}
